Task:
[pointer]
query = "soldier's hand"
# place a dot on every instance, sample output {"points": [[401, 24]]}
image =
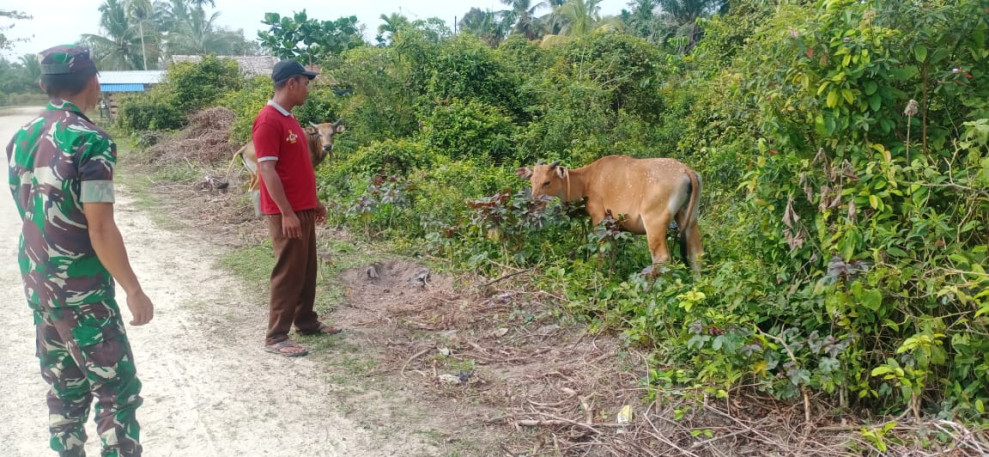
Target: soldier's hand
{"points": [[140, 307]]}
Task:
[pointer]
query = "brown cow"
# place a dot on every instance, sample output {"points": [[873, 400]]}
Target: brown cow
{"points": [[649, 192], [320, 142]]}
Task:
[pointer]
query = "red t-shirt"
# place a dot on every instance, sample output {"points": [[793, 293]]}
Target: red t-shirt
{"points": [[280, 138]]}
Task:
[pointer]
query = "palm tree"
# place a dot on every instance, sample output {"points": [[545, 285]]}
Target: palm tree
{"points": [[32, 68], [139, 11], [116, 47], [642, 21], [685, 13], [199, 3], [393, 23], [522, 17], [688, 11], [486, 25], [579, 17]]}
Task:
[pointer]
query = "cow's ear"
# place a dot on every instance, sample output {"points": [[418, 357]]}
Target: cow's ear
{"points": [[524, 172], [561, 172], [340, 128]]}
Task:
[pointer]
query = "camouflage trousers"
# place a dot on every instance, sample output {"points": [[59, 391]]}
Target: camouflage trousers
{"points": [[84, 352]]}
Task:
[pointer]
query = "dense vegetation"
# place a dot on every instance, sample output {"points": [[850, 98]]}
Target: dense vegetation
{"points": [[844, 147]]}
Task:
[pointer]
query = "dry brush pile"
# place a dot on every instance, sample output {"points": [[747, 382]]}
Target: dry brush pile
{"points": [[205, 140]]}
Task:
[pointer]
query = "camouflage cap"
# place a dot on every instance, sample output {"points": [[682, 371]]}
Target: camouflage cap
{"points": [[65, 59]]}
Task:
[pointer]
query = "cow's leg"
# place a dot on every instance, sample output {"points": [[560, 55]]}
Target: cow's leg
{"points": [[596, 211], [690, 239], [255, 189], [256, 201], [656, 234]]}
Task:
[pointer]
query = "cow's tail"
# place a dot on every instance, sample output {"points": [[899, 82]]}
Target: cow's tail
{"points": [[233, 160], [690, 216]]}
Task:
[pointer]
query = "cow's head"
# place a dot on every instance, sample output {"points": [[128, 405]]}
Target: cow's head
{"points": [[546, 179], [321, 139]]}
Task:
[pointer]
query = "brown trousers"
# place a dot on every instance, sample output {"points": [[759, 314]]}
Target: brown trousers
{"points": [[293, 280]]}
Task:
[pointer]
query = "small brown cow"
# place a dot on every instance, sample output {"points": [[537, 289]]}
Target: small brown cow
{"points": [[649, 192], [319, 139]]}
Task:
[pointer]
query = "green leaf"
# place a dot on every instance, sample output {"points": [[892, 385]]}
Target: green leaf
{"points": [[875, 102], [878, 371], [874, 201], [832, 99], [959, 259], [849, 96], [920, 52], [870, 87], [905, 73], [896, 252], [872, 299]]}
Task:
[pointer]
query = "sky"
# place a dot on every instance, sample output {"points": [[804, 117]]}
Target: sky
{"points": [[64, 21]]}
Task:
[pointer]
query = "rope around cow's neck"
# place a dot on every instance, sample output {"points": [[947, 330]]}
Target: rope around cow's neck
{"points": [[566, 173]]}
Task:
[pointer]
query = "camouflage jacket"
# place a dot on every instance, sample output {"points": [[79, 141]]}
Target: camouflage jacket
{"points": [[58, 161]]}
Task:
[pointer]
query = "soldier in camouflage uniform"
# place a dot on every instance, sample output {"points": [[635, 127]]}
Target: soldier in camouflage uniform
{"points": [[61, 178]]}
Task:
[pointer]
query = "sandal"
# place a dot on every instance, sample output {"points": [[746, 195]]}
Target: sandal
{"points": [[281, 346], [322, 330]]}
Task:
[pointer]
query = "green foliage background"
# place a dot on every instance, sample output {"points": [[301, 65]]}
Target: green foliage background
{"points": [[845, 235]]}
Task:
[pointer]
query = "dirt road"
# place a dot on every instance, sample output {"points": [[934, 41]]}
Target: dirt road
{"points": [[209, 389]]}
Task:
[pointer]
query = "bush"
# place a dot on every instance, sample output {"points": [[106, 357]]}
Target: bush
{"points": [[246, 103], [471, 128], [382, 105], [468, 69], [38, 99], [193, 86], [387, 158], [148, 112]]}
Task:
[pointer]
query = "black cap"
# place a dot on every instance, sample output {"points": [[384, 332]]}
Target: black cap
{"points": [[288, 68]]}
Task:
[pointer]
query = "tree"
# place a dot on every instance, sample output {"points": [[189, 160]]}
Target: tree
{"points": [[139, 11], [522, 17], [6, 43], [197, 33], [685, 13], [579, 17], [642, 21], [486, 25], [118, 45], [20, 76], [309, 40], [190, 29], [392, 24]]}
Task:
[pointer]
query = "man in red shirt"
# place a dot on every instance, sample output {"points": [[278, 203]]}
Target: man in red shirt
{"points": [[291, 209]]}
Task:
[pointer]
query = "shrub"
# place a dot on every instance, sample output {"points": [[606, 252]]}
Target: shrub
{"points": [[193, 86], [148, 112], [246, 103], [470, 129]]}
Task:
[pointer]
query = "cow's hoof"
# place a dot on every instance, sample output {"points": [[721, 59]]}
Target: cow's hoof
{"points": [[653, 271]]}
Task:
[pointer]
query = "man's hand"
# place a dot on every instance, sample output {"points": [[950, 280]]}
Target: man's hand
{"points": [[140, 307], [291, 227], [320, 214]]}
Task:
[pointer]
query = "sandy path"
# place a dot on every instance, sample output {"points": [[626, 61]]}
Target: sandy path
{"points": [[209, 389]]}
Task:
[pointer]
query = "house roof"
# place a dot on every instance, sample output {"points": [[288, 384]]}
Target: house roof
{"points": [[249, 65], [132, 77], [121, 87]]}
